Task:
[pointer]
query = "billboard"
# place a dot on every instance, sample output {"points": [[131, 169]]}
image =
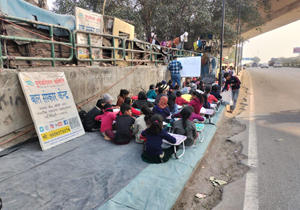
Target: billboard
{"points": [[52, 107], [191, 66], [297, 50]]}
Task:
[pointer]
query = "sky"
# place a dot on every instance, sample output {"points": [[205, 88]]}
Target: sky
{"points": [[276, 43]]}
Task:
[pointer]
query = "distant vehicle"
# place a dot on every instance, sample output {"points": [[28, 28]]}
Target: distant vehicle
{"points": [[264, 65], [272, 61], [244, 67], [254, 64], [277, 64]]}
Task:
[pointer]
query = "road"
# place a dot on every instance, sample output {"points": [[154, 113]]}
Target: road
{"points": [[271, 141]]}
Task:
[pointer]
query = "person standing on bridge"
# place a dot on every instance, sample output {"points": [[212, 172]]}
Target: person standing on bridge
{"points": [[175, 67], [235, 84]]}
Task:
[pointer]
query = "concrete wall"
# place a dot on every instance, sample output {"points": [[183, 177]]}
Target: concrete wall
{"points": [[84, 82]]}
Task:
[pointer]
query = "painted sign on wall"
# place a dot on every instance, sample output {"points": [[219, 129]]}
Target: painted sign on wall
{"points": [[52, 107], [90, 22]]}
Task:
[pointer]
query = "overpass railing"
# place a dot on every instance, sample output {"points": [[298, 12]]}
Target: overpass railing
{"points": [[50, 41], [90, 51]]}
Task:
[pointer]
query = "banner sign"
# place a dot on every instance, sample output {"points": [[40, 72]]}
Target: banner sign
{"points": [[297, 50], [191, 66], [90, 22], [52, 107]]}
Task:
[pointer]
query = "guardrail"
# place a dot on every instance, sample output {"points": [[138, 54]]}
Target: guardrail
{"points": [[77, 49], [50, 41]]}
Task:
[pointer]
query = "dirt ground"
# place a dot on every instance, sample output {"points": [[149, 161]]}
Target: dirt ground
{"points": [[222, 161]]}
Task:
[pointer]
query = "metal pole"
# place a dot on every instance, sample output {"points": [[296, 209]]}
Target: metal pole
{"points": [[237, 39], [221, 51], [242, 54]]}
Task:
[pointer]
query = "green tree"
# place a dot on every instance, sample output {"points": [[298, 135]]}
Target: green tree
{"points": [[256, 59], [169, 19]]}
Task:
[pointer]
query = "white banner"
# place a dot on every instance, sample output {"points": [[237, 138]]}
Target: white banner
{"points": [[90, 22], [191, 66], [52, 107]]}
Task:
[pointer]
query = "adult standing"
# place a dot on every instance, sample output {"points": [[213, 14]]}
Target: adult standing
{"points": [[175, 67], [235, 84]]}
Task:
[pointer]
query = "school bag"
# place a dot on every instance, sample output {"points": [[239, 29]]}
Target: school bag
{"points": [[82, 114]]}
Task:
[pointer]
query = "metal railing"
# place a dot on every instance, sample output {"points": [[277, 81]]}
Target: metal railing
{"points": [[150, 52], [90, 46], [51, 41]]}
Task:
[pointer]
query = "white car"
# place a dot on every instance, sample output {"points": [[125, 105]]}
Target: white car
{"points": [[264, 65], [277, 65]]}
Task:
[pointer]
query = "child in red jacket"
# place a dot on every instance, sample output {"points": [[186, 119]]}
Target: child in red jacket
{"points": [[107, 119], [210, 98], [196, 102], [179, 100]]}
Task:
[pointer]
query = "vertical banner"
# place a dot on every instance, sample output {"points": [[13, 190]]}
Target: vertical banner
{"points": [[90, 22], [52, 107]]}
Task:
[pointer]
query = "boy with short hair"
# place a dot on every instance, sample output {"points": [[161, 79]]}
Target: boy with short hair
{"points": [[179, 100], [89, 122], [124, 123], [235, 84]]}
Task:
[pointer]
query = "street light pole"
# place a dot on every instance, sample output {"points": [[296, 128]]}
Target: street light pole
{"points": [[221, 51], [237, 39]]}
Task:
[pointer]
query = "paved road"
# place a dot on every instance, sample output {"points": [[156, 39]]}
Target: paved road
{"points": [[272, 143]]}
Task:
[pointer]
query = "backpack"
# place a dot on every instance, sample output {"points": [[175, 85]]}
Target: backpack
{"points": [[82, 114]]}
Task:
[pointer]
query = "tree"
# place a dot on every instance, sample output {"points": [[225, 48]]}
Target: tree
{"points": [[169, 19], [256, 59]]}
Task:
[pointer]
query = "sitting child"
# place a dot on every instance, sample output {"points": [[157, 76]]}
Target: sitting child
{"points": [[179, 100], [172, 105], [186, 88], [106, 119], [196, 102], [89, 123], [141, 123], [133, 110], [186, 127], [161, 93], [154, 153], [123, 94], [215, 92], [107, 98], [142, 101], [193, 116], [124, 123], [206, 104], [151, 92], [210, 98], [176, 89], [162, 108]]}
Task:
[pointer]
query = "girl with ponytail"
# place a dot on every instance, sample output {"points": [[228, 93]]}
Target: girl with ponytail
{"points": [[186, 127], [154, 134]]}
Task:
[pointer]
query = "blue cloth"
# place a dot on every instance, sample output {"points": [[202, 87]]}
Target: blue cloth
{"points": [[204, 70], [199, 44], [151, 94], [154, 142], [175, 110], [175, 67], [176, 78], [22, 9], [163, 112]]}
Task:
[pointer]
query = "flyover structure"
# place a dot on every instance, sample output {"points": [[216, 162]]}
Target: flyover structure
{"points": [[282, 13]]}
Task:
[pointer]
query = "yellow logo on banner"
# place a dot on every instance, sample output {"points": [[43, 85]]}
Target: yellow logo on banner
{"points": [[56, 133]]}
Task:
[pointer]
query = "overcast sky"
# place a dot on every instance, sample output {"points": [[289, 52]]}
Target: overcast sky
{"points": [[277, 43]]}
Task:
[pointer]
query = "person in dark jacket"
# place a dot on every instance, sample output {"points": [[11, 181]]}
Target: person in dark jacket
{"points": [[235, 84], [124, 123], [215, 92], [154, 153], [89, 122], [142, 101]]}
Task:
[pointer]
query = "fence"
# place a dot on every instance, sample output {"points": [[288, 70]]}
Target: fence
{"points": [[123, 52]]}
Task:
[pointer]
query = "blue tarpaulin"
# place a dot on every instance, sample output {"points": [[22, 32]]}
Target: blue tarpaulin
{"points": [[22, 9]]}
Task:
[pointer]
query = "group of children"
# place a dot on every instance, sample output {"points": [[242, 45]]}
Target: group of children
{"points": [[147, 125]]}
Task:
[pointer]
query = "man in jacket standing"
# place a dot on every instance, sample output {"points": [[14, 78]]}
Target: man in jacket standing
{"points": [[175, 67], [235, 85]]}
